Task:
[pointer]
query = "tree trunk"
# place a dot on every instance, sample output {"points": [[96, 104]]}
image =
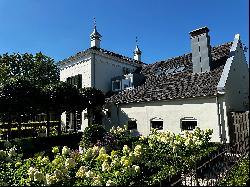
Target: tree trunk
{"points": [[48, 124]]}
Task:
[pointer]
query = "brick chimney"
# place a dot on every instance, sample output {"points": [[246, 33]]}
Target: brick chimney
{"points": [[201, 50]]}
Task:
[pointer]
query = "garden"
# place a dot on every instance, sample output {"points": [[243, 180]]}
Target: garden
{"points": [[109, 158], [35, 150]]}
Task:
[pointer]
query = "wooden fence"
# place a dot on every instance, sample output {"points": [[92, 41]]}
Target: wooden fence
{"points": [[238, 123]]}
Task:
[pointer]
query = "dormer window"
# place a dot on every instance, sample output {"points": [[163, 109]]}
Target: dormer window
{"points": [[116, 85]]}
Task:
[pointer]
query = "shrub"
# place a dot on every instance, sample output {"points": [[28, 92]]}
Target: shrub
{"points": [[91, 135]]}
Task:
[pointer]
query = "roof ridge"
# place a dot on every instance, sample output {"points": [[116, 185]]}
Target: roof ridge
{"points": [[102, 50], [187, 54]]}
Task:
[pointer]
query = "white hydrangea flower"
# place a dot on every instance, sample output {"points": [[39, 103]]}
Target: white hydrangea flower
{"points": [[97, 181], [105, 166], [90, 174], [102, 151], [136, 168], [50, 179], [110, 183], [65, 150], [38, 176], [198, 142], [12, 152], [58, 174], [70, 163], [81, 172], [138, 150], [31, 172], [95, 150], [45, 161], [125, 149]]}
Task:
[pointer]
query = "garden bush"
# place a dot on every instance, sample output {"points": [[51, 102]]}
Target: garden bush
{"points": [[30, 145], [239, 175], [150, 160]]}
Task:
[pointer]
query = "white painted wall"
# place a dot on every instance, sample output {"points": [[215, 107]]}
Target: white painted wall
{"points": [[171, 111], [80, 66], [105, 69], [235, 79]]}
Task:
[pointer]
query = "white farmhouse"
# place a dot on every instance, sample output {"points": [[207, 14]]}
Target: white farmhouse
{"points": [[195, 89], [97, 67]]}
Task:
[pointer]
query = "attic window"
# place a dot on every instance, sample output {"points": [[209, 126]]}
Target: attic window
{"points": [[157, 124], [188, 124]]}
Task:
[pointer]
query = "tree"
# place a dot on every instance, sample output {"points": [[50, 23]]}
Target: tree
{"points": [[17, 97], [39, 69], [61, 97], [95, 100]]}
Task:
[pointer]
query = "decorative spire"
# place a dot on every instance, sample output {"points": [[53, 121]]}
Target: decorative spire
{"points": [[95, 37], [137, 51]]}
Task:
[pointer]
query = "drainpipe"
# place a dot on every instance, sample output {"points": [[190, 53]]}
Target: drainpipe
{"points": [[219, 116]]}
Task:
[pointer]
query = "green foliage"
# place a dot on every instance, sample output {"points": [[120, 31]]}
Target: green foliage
{"points": [[39, 69], [239, 175], [143, 163], [91, 135]]}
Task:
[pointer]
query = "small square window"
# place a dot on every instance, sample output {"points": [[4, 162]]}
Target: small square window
{"points": [[188, 124], [132, 125], [157, 125]]}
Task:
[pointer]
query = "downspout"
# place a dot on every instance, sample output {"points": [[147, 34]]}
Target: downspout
{"points": [[219, 116]]}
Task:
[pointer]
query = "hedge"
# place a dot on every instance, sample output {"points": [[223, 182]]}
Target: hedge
{"points": [[32, 145]]}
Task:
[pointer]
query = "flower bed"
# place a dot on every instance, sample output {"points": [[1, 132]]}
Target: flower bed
{"points": [[156, 159]]}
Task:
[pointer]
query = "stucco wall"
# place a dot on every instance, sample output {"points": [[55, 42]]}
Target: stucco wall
{"points": [[171, 111], [105, 69], [235, 79], [80, 66]]}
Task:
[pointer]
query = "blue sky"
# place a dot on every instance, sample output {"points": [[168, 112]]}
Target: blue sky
{"points": [[61, 28]]}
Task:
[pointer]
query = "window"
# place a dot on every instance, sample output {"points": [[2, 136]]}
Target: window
{"points": [[132, 125], [116, 85], [157, 124], [75, 80], [188, 124]]}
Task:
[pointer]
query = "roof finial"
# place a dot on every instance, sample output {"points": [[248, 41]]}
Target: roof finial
{"points": [[94, 22], [136, 40]]}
